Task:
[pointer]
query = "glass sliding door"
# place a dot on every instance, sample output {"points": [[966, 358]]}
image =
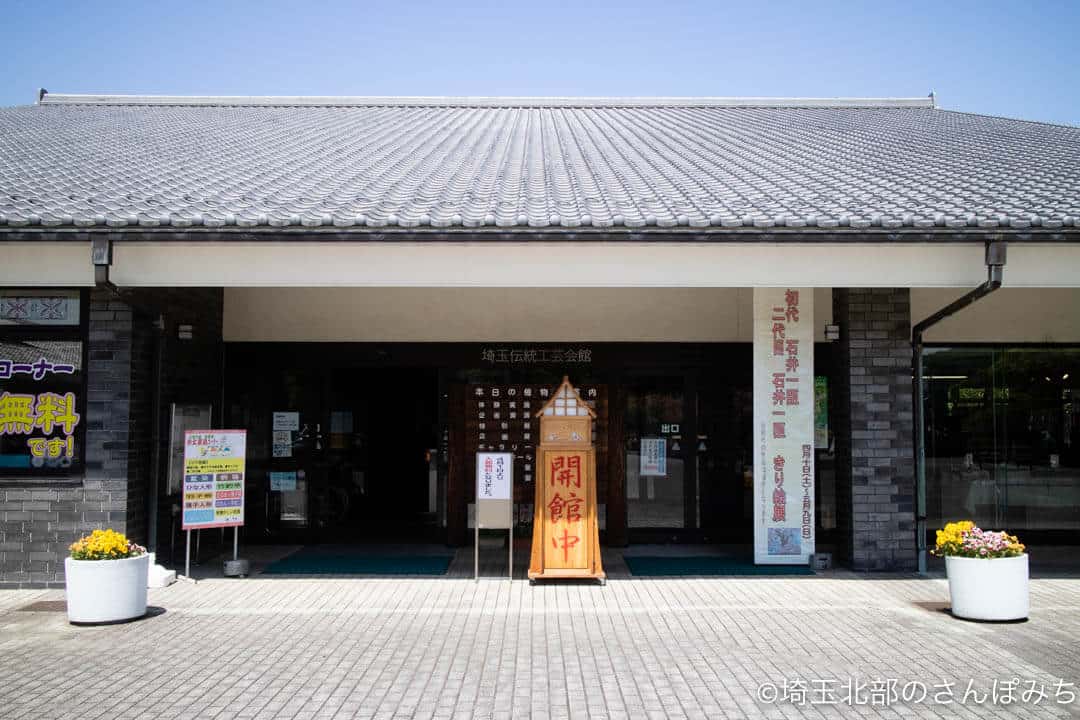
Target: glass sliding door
{"points": [[724, 459], [656, 451]]}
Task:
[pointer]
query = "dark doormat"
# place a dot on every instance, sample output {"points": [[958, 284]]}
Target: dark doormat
{"points": [[660, 566], [315, 562]]}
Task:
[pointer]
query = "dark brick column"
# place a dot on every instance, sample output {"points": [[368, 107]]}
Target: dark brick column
{"points": [[40, 518], [875, 441]]}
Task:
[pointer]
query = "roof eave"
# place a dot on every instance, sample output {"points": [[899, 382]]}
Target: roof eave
{"points": [[550, 235]]}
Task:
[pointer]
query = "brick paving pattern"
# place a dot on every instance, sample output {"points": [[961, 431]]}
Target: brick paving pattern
{"points": [[274, 647]]}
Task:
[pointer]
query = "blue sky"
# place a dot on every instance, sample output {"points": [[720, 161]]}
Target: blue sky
{"points": [[1014, 59]]}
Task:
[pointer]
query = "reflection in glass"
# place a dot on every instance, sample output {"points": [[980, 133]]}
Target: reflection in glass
{"points": [[654, 462], [1002, 437]]}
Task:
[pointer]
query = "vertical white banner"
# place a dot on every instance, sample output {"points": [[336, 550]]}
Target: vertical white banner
{"points": [[783, 425]]}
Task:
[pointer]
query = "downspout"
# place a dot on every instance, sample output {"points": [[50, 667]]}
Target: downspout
{"points": [[155, 454], [995, 264], [101, 256]]}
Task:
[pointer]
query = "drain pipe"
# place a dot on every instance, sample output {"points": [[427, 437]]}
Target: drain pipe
{"points": [[101, 255], [995, 264]]}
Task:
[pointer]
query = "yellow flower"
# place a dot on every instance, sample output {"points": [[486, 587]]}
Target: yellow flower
{"points": [[103, 545]]}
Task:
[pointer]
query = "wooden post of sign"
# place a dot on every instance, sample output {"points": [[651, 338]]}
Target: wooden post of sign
{"points": [[566, 535]]}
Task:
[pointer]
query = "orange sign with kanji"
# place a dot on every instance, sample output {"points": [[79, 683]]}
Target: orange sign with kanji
{"points": [[566, 537]]}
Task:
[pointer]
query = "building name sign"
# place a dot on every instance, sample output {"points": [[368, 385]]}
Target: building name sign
{"points": [[784, 401], [535, 356]]}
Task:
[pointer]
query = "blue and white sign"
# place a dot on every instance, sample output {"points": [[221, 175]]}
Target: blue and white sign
{"points": [[653, 457], [283, 481]]}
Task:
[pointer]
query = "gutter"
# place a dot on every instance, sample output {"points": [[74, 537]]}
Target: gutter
{"points": [[995, 264]]}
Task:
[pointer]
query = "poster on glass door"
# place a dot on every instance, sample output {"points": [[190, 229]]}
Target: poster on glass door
{"points": [[783, 425], [653, 458]]}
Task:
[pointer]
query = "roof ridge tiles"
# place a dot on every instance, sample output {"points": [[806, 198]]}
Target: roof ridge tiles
{"points": [[47, 98]]}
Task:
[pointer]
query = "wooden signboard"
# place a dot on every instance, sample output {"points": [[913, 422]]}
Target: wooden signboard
{"points": [[566, 537]]}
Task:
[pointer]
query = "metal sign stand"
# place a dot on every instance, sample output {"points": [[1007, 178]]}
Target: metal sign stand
{"points": [[187, 556], [494, 503], [476, 554], [241, 569], [236, 567]]}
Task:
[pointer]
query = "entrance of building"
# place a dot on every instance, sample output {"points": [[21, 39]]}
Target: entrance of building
{"points": [[354, 443], [372, 480], [348, 452], [700, 424]]}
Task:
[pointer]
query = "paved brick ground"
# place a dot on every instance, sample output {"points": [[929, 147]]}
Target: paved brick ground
{"points": [[450, 647]]}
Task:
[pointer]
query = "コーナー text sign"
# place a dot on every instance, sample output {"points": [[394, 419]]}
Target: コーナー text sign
{"points": [[214, 466]]}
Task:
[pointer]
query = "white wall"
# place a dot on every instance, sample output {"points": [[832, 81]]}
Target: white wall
{"points": [[596, 264], [523, 264], [497, 314]]}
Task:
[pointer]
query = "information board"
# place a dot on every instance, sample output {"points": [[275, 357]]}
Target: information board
{"points": [[783, 425], [214, 466], [494, 490]]}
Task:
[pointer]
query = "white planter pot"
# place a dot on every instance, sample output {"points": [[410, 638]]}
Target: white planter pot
{"points": [[994, 589], [100, 591]]}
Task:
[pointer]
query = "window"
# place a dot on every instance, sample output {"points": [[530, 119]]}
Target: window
{"points": [[1003, 438], [42, 382]]}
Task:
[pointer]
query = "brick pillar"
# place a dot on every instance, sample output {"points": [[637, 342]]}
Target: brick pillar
{"points": [[40, 518], [103, 497], [875, 439]]}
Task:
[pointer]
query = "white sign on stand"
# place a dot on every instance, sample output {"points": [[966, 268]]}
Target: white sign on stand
{"points": [[494, 500], [783, 426]]}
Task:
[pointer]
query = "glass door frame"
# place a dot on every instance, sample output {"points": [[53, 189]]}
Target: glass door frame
{"points": [[689, 532]]}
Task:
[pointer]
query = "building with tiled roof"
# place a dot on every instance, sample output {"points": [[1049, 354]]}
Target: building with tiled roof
{"points": [[589, 164], [810, 330]]}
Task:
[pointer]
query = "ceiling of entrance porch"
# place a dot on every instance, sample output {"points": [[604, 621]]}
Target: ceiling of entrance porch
{"points": [[497, 314]]}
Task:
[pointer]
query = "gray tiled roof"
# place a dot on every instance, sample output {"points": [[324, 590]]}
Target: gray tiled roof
{"points": [[87, 161]]}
